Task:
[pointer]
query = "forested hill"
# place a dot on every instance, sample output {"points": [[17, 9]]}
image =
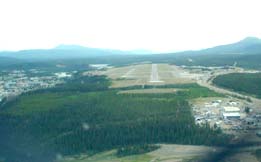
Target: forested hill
{"points": [[245, 53], [67, 52], [52, 54], [241, 82], [249, 45], [6, 61], [85, 116]]}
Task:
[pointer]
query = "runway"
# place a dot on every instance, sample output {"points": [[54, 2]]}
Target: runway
{"points": [[154, 77]]}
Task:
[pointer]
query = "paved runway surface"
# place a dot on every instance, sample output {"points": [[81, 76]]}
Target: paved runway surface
{"points": [[154, 77]]}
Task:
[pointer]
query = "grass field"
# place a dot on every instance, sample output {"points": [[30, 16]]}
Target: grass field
{"points": [[166, 153], [153, 90], [141, 75]]}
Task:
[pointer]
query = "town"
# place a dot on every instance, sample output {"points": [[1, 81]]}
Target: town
{"points": [[16, 82]]}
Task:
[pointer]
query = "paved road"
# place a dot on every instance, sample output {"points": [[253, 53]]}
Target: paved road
{"points": [[256, 103], [128, 74]]}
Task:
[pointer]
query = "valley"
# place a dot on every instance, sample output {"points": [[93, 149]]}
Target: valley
{"points": [[99, 107], [204, 77], [130, 81], [91, 114]]}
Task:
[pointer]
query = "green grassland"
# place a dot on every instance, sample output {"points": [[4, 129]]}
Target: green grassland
{"points": [[249, 83], [106, 156], [76, 117], [166, 152]]}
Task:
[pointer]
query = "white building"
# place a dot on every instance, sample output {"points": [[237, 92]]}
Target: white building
{"points": [[63, 75], [231, 109], [99, 66], [233, 115]]}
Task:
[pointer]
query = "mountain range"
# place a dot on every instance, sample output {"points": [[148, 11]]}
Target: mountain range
{"points": [[249, 45], [67, 52]]}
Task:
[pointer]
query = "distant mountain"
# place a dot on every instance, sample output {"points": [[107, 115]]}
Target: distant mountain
{"points": [[61, 52], [67, 52], [249, 45], [141, 51], [245, 53], [6, 61], [113, 51], [89, 50]]}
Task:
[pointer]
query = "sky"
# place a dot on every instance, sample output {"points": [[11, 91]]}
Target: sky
{"points": [[156, 25]]}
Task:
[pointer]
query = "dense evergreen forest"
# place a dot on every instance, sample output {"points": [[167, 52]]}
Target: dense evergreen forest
{"points": [[250, 61], [84, 115], [241, 82], [257, 153]]}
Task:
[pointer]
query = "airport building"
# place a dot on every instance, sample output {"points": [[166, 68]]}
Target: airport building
{"points": [[231, 115], [231, 109], [231, 112]]}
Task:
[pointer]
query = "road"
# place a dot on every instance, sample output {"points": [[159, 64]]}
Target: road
{"points": [[255, 105], [128, 74], [207, 82]]}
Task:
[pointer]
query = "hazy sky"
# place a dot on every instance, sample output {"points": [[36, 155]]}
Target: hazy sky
{"points": [[158, 25]]}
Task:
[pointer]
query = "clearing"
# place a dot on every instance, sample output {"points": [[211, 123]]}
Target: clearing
{"points": [[167, 153], [148, 74]]}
